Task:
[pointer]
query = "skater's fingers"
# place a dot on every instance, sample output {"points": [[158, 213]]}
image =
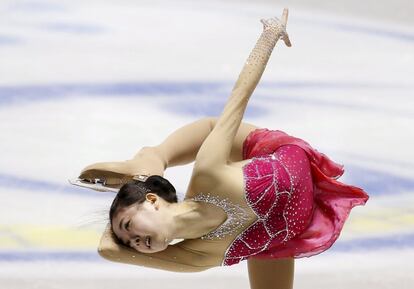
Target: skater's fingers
{"points": [[285, 16], [287, 40]]}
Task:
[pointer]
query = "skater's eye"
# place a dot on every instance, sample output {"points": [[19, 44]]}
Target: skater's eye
{"points": [[125, 226]]}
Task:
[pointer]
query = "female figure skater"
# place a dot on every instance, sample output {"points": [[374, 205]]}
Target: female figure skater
{"points": [[255, 194]]}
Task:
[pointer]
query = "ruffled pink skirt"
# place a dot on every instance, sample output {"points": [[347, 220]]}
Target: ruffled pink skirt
{"points": [[332, 200]]}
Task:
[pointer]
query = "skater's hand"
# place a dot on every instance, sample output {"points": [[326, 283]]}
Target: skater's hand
{"points": [[108, 240], [147, 162], [279, 26]]}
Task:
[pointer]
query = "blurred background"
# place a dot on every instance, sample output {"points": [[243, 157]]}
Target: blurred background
{"points": [[90, 81]]}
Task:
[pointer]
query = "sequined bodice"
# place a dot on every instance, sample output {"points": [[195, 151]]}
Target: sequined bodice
{"points": [[236, 216], [277, 189]]}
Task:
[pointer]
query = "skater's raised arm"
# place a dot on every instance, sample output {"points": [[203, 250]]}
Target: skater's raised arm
{"points": [[182, 146], [216, 148]]}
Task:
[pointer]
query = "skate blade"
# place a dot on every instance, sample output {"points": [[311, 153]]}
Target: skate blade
{"points": [[96, 184], [175, 241]]}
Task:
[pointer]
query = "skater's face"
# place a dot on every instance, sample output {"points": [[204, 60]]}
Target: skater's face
{"points": [[144, 226]]}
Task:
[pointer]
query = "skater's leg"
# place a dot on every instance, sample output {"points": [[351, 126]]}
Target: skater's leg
{"points": [[271, 273]]}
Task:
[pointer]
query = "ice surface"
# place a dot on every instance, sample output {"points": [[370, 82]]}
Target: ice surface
{"points": [[88, 81]]}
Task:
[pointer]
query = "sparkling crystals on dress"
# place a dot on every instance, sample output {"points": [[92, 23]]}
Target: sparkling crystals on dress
{"points": [[306, 217], [236, 216], [279, 190]]}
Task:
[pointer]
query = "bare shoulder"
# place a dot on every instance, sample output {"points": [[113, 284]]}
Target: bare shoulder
{"points": [[209, 177], [224, 181]]}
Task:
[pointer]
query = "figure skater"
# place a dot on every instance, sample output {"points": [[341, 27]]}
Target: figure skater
{"points": [[255, 194]]}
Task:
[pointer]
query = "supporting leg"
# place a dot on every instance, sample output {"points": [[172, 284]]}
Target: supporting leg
{"points": [[271, 273]]}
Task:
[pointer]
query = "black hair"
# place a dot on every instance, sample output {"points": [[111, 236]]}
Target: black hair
{"points": [[134, 192]]}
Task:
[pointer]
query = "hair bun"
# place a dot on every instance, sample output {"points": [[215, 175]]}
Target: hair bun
{"points": [[162, 187]]}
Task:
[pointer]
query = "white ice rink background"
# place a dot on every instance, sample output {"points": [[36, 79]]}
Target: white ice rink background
{"points": [[89, 81]]}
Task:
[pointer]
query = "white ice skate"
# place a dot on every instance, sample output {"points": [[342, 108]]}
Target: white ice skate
{"points": [[106, 177]]}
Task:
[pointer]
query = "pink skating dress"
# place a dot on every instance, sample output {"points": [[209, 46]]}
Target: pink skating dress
{"points": [[292, 188]]}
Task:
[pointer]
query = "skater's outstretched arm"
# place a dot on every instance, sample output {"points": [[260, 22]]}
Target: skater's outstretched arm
{"points": [[216, 148], [174, 258]]}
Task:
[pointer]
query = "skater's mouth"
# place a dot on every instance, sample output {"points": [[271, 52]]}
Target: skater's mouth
{"points": [[148, 242]]}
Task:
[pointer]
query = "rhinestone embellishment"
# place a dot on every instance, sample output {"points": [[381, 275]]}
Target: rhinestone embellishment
{"points": [[236, 216], [279, 190]]}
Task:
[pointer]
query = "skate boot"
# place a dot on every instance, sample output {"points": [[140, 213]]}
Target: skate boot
{"points": [[107, 176]]}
